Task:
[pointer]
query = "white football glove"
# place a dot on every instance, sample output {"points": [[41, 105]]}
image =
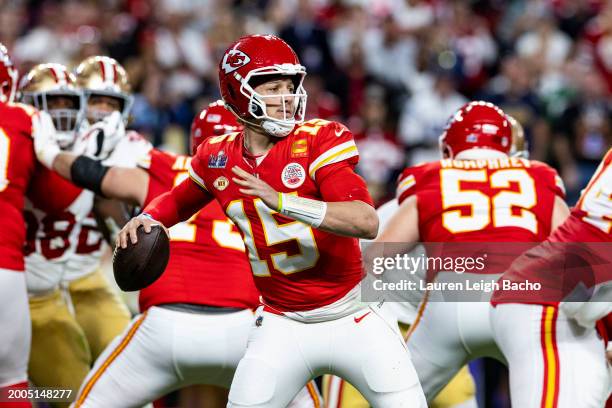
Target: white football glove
{"points": [[45, 142], [100, 139]]}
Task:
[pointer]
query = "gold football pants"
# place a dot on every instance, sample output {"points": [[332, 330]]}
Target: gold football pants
{"points": [[66, 339]]}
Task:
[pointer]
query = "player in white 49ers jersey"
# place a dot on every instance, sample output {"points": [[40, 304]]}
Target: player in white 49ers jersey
{"points": [[75, 313], [291, 190]]}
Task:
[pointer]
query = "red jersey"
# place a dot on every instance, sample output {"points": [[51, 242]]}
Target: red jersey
{"points": [[17, 161], [483, 201], [207, 263], [296, 267], [590, 224]]}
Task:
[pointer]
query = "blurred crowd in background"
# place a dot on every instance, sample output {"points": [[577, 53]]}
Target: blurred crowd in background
{"points": [[392, 70]]}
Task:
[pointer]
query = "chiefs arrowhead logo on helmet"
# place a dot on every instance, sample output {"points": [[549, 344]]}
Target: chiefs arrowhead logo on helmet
{"points": [[234, 59]]}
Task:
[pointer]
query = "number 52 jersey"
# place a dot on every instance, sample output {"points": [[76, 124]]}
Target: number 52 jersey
{"points": [[296, 267], [503, 200]]}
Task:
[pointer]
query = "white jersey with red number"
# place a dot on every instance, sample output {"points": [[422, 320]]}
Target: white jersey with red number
{"points": [[63, 242], [296, 267]]}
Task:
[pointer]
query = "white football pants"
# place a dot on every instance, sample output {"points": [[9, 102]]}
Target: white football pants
{"points": [[164, 350], [364, 348], [554, 362]]}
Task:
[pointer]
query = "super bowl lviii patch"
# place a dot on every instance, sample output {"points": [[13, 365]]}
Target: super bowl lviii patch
{"points": [[217, 161]]}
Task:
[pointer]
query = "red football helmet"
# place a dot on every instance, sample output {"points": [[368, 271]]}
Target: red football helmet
{"points": [[215, 120], [476, 125], [8, 76], [254, 56]]}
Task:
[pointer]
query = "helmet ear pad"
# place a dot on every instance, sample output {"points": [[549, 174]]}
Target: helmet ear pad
{"points": [[255, 108]]}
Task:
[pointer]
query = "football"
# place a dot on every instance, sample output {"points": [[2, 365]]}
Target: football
{"points": [[141, 264]]}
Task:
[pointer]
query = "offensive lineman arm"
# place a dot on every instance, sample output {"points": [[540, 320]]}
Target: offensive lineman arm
{"points": [[350, 218], [403, 227], [402, 230], [121, 183]]}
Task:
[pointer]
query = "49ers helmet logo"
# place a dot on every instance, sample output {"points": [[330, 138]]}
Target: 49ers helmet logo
{"points": [[234, 59]]}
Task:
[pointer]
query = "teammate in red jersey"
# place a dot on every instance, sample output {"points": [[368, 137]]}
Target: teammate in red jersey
{"points": [[17, 162], [555, 356], [196, 318], [478, 195], [291, 189]]}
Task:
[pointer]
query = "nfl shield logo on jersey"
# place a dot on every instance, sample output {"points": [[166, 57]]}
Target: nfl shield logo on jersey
{"points": [[293, 175], [217, 161]]}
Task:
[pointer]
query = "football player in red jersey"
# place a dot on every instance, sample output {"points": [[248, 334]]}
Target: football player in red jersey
{"points": [[17, 162], [555, 356], [290, 188], [461, 390], [478, 195], [196, 318]]}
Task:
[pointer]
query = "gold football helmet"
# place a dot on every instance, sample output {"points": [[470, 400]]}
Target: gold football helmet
{"points": [[519, 147], [52, 88], [104, 76]]}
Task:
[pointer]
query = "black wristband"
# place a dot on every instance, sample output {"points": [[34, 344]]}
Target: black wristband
{"points": [[88, 173]]}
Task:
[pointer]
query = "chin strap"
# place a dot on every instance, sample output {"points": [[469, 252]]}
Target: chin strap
{"points": [[270, 127], [276, 129]]}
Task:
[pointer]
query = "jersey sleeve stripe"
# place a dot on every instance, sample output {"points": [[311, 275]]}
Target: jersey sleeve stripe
{"points": [[560, 185], [337, 153], [196, 179], [405, 184]]}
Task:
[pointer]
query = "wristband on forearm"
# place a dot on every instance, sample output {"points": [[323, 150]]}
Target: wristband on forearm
{"points": [[88, 173], [306, 210]]}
